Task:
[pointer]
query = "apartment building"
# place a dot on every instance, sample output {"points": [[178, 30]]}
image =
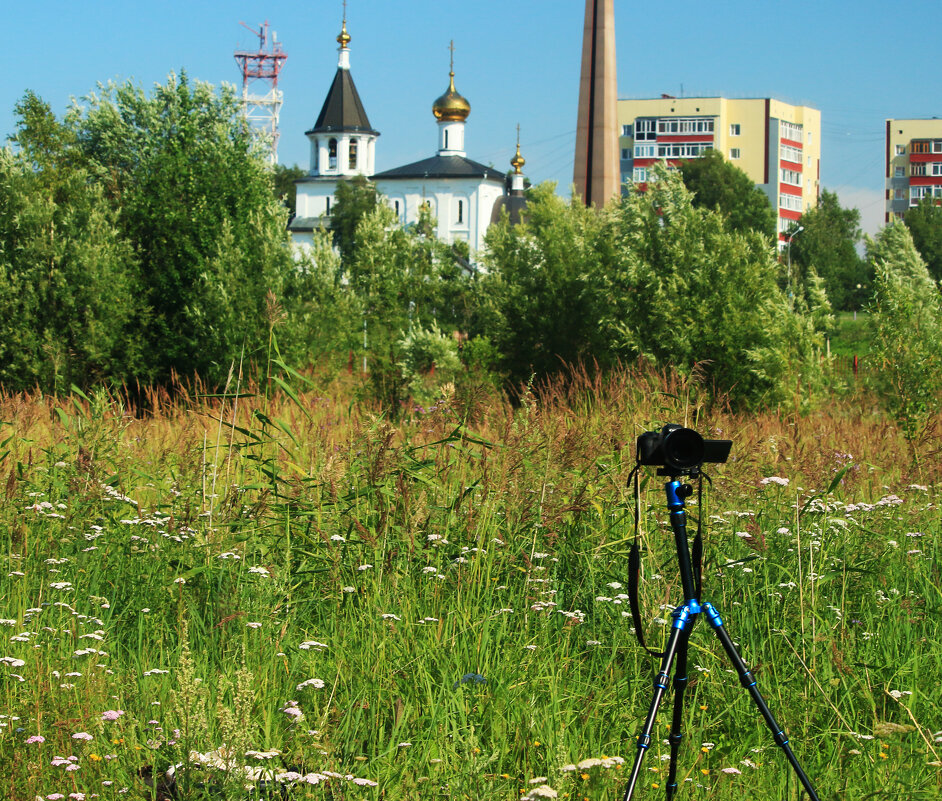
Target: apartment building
{"points": [[913, 164], [776, 144]]}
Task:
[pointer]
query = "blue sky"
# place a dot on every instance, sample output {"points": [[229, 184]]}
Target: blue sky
{"points": [[516, 62]]}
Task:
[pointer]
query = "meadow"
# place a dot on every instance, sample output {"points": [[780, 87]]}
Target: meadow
{"points": [[277, 592]]}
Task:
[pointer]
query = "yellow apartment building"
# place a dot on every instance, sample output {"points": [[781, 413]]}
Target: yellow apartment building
{"points": [[913, 164], [776, 144]]}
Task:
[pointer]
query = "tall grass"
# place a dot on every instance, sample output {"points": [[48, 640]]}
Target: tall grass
{"points": [[284, 588]]}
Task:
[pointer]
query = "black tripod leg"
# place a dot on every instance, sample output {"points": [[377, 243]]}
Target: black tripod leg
{"points": [[676, 736], [660, 687], [747, 681]]}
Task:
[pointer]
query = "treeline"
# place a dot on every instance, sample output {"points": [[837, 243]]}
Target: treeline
{"points": [[142, 240]]}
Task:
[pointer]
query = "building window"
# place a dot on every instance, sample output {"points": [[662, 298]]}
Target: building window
{"points": [[332, 154], [735, 129], [396, 207], [639, 175], [790, 202], [645, 151], [901, 150], [937, 168], [916, 169], [790, 130], [460, 212], [327, 206], [922, 147], [693, 125], [645, 130], [899, 194], [682, 150], [937, 145], [791, 177], [316, 157], [352, 156], [626, 130], [625, 154], [734, 152], [789, 153], [899, 172]]}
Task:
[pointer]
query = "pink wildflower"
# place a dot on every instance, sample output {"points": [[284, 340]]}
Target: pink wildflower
{"points": [[82, 735], [36, 738], [112, 714]]}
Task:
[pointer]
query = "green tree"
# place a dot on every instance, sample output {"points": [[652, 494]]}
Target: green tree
{"points": [[404, 280], [828, 246], [283, 184], [68, 296], [925, 224], [541, 302], [688, 292], [353, 200], [717, 184], [194, 199], [907, 323]]}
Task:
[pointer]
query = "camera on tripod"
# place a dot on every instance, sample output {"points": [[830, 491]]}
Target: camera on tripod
{"points": [[680, 450]]}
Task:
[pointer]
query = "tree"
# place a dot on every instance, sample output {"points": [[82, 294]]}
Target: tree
{"points": [[907, 321], [68, 297], [353, 200], [828, 245], [541, 293], [405, 280], [717, 184], [283, 184], [925, 224], [194, 200], [687, 291]]}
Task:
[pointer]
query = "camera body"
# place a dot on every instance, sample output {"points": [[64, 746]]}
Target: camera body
{"points": [[680, 450]]}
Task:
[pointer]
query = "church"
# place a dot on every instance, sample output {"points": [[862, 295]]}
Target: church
{"points": [[463, 196]]}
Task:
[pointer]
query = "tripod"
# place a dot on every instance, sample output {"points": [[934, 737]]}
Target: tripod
{"points": [[675, 654]]}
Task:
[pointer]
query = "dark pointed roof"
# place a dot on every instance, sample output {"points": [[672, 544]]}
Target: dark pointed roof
{"points": [[443, 167], [342, 110]]}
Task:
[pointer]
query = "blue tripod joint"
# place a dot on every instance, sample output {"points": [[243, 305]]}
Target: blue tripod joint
{"points": [[661, 680], [644, 741], [675, 495], [685, 616], [713, 617], [781, 739]]}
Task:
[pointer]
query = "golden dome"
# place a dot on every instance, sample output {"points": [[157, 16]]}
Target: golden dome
{"points": [[517, 161], [451, 106], [343, 38]]}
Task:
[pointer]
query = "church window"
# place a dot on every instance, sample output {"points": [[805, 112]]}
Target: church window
{"points": [[327, 210], [352, 160], [460, 211], [332, 154], [396, 207], [446, 140], [315, 157]]}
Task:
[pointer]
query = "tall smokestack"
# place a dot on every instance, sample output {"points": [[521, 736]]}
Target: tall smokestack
{"points": [[597, 176]]}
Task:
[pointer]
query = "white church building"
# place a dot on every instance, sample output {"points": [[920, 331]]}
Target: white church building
{"points": [[462, 195]]}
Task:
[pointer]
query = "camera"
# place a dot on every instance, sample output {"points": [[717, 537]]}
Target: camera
{"points": [[679, 449]]}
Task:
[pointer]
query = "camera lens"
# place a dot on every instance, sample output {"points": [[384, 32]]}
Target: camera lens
{"points": [[683, 448]]}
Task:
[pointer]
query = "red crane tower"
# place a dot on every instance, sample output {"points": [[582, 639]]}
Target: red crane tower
{"points": [[262, 108]]}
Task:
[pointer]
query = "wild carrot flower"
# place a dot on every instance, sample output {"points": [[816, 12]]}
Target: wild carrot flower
{"points": [[112, 714], [82, 735]]}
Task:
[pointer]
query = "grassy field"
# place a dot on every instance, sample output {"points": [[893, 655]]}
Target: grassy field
{"points": [[281, 592]]}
